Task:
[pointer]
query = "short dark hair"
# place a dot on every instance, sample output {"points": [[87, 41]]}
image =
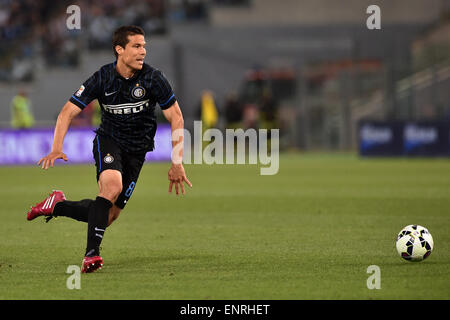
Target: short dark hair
{"points": [[120, 36]]}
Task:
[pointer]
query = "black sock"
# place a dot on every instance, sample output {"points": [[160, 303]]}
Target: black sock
{"points": [[78, 210], [97, 222]]}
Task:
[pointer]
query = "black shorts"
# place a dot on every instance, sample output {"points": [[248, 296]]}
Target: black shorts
{"points": [[108, 155]]}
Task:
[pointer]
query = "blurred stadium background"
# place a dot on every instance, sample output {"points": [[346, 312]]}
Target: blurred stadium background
{"points": [[310, 68]]}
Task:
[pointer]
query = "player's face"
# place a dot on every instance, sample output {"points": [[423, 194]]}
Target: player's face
{"points": [[134, 53]]}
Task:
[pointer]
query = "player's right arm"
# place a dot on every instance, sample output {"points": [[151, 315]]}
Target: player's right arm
{"points": [[79, 100], [68, 112]]}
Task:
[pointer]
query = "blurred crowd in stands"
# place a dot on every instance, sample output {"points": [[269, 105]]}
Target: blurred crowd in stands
{"points": [[37, 29]]}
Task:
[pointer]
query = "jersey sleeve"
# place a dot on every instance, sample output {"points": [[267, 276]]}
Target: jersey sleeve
{"points": [[162, 90], [88, 91]]}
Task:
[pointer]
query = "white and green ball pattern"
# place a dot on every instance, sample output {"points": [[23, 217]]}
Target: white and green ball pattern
{"points": [[414, 243]]}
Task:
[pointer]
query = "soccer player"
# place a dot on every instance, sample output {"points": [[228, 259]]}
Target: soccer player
{"points": [[127, 91]]}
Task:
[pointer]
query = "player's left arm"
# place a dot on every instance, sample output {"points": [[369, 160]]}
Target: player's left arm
{"points": [[177, 175]]}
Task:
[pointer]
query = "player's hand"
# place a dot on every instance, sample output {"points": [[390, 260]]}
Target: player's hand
{"points": [[177, 177], [49, 160]]}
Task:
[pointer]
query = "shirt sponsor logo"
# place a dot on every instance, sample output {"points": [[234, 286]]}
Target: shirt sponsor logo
{"points": [[126, 108]]}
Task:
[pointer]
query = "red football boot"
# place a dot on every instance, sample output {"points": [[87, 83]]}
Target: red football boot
{"points": [[45, 208], [90, 264]]}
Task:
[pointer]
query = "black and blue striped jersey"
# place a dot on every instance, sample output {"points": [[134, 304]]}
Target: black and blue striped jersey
{"points": [[128, 105]]}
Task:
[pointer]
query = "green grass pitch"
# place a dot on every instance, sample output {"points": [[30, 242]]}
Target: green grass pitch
{"points": [[309, 232]]}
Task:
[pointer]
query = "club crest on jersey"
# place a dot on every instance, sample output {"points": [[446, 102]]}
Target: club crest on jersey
{"points": [[138, 92], [108, 158]]}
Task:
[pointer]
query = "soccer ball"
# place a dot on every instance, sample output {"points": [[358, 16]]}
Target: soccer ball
{"points": [[414, 243]]}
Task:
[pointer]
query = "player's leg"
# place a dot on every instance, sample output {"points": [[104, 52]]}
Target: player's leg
{"points": [[107, 156], [56, 205], [47, 206], [114, 213], [77, 210], [131, 168], [108, 161], [110, 186]]}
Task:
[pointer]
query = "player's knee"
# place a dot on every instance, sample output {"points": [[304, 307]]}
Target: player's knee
{"points": [[110, 184], [115, 191], [111, 192]]}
